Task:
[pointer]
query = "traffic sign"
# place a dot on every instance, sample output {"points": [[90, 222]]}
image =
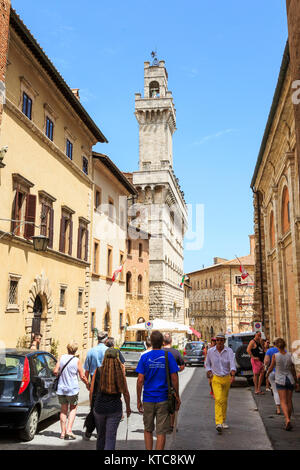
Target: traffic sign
{"points": [[148, 325], [258, 326]]}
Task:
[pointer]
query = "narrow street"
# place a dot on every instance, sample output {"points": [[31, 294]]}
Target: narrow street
{"points": [[196, 430]]}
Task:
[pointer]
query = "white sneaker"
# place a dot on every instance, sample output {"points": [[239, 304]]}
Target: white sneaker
{"points": [[225, 426], [219, 428]]}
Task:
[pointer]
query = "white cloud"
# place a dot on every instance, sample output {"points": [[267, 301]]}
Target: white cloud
{"points": [[213, 136]]}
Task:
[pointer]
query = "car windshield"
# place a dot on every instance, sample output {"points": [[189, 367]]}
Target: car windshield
{"points": [[132, 345], [192, 346], [11, 367], [235, 341]]}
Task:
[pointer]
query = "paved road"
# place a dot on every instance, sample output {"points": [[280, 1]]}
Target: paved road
{"points": [[196, 424]]}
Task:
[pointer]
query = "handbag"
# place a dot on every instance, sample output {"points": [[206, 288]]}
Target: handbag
{"points": [[56, 380], [171, 391], [89, 422]]}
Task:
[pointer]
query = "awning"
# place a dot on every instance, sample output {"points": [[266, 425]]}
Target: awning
{"points": [[195, 332], [162, 325]]}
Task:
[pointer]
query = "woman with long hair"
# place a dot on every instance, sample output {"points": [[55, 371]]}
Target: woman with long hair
{"points": [[108, 384], [285, 379]]}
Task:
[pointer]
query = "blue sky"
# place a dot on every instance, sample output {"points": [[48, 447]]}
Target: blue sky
{"points": [[223, 61]]}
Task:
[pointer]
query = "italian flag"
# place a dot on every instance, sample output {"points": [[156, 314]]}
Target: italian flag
{"points": [[182, 280], [117, 272]]}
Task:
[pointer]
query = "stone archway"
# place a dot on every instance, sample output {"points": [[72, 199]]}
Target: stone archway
{"points": [[40, 297]]}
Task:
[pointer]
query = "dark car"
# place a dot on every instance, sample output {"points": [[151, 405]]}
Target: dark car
{"points": [[193, 353], [27, 395]]}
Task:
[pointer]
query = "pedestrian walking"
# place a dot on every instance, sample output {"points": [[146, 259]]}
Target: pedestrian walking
{"points": [[256, 352], [210, 345], [36, 341], [220, 366], [108, 384], [285, 379], [153, 379], [94, 360], [270, 380], [69, 366], [167, 346], [148, 345]]}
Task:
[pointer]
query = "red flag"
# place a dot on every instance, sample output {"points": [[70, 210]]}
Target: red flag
{"points": [[116, 273], [244, 272]]}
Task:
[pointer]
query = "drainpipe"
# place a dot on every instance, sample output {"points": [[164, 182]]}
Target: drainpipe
{"points": [[260, 259]]}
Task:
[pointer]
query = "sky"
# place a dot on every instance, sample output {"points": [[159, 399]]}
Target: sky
{"points": [[223, 60]]}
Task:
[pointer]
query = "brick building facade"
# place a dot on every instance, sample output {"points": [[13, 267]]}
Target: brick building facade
{"points": [[220, 300], [275, 184]]}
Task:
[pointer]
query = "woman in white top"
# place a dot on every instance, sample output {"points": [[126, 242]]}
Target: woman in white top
{"points": [[68, 388], [285, 379]]}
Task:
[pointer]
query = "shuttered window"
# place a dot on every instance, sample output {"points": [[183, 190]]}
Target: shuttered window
{"points": [[27, 105], [82, 243], [30, 216], [66, 235]]}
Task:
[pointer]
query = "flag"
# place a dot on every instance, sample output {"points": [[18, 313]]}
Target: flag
{"points": [[244, 272], [117, 272], [182, 280]]}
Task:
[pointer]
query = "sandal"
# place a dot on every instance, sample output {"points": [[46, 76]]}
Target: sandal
{"points": [[70, 435], [62, 436]]}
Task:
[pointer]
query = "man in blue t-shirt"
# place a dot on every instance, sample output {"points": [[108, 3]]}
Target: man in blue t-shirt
{"points": [[152, 376]]}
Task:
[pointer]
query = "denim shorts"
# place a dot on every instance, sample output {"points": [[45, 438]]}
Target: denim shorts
{"points": [[288, 385]]}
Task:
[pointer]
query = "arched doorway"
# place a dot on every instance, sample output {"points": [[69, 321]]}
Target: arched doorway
{"points": [[37, 315], [141, 335], [106, 322]]}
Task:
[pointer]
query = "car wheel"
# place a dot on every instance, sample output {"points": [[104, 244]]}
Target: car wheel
{"points": [[28, 433]]}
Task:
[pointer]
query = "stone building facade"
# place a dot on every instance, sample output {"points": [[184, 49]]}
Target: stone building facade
{"points": [[137, 284], [275, 184], [160, 208], [4, 34], [48, 163], [220, 300], [107, 297]]}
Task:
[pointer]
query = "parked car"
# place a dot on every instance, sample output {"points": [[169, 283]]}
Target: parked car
{"points": [[239, 343], [132, 350], [193, 353], [27, 395]]}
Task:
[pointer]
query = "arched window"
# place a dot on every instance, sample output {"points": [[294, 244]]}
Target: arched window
{"points": [[106, 322], [128, 282], [140, 285], [272, 231], [285, 214], [154, 90]]}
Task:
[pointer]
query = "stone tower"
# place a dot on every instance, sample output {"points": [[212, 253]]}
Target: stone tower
{"points": [[160, 209]]}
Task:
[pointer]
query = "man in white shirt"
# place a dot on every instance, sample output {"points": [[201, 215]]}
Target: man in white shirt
{"points": [[220, 366]]}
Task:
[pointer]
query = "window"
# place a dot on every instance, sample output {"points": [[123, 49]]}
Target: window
{"points": [[80, 297], [69, 149], [111, 209], [13, 292], [238, 279], [129, 247], [96, 257], [272, 231], [128, 282], [121, 264], [140, 250], [121, 320], [93, 321], [47, 217], [154, 90], [140, 285], [27, 105], [66, 232], [85, 165], [285, 211], [97, 198], [239, 305], [109, 261], [82, 240], [24, 207], [62, 297], [49, 128]]}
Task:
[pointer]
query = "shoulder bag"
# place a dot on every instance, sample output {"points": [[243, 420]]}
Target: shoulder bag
{"points": [[56, 380], [171, 390]]}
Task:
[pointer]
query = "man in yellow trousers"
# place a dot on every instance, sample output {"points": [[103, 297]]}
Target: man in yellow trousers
{"points": [[220, 366]]}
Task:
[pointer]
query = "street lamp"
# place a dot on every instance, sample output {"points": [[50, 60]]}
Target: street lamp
{"points": [[40, 242]]}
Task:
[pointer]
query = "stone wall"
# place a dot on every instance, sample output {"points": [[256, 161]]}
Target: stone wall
{"points": [[4, 37]]}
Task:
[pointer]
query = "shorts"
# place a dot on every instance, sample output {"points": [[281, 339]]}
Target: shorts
{"points": [[68, 399], [288, 385], [158, 411], [257, 366]]}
